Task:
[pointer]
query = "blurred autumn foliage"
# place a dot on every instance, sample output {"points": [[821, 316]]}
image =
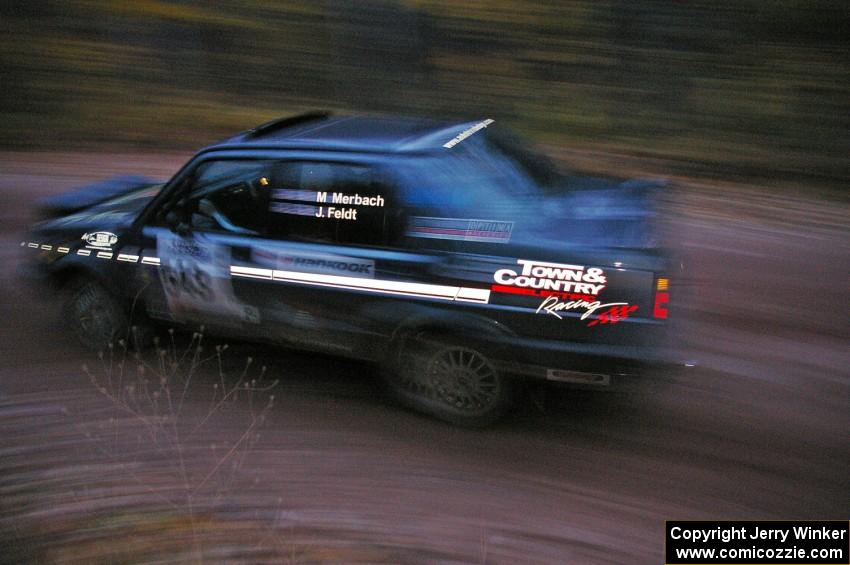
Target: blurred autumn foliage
{"points": [[740, 87]]}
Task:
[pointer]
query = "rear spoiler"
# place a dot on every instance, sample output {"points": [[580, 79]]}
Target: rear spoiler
{"points": [[85, 196]]}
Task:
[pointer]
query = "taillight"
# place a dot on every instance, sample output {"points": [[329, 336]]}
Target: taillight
{"points": [[662, 297]]}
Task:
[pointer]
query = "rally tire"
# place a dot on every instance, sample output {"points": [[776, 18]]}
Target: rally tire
{"points": [[95, 315], [452, 382]]}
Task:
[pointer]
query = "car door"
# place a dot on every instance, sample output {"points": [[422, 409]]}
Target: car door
{"points": [[206, 225], [326, 275]]}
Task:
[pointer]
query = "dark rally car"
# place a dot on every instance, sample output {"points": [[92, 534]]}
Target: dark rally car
{"points": [[451, 254]]}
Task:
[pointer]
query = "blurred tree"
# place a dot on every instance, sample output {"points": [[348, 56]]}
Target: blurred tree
{"points": [[745, 87]]}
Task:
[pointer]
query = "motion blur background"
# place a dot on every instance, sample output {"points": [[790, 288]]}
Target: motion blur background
{"points": [[744, 88], [745, 105]]}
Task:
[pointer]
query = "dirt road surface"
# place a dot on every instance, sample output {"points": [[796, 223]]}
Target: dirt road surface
{"points": [[333, 472]]}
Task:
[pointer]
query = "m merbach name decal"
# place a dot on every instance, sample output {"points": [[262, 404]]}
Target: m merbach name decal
{"points": [[339, 212]]}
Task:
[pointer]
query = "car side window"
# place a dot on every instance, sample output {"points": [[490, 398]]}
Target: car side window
{"points": [[222, 195], [229, 196], [329, 202]]}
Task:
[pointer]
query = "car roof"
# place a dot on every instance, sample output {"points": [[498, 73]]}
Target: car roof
{"points": [[349, 133]]}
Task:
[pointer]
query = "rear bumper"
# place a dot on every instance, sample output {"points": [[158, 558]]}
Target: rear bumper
{"points": [[592, 365]]}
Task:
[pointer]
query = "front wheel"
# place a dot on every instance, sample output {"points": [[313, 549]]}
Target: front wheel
{"points": [[94, 314], [452, 382]]}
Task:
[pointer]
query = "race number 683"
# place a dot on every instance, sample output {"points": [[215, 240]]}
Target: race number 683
{"points": [[183, 277]]}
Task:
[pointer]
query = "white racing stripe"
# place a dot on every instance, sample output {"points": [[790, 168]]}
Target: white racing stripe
{"points": [[251, 272], [370, 285], [402, 288], [480, 295]]}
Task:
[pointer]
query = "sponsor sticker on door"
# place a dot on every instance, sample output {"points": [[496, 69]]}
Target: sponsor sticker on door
{"points": [[320, 263]]}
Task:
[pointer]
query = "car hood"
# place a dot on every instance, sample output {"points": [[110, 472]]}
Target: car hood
{"points": [[111, 214], [86, 196]]}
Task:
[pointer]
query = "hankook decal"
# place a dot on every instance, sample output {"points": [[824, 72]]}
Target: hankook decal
{"points": [[315, 263]]}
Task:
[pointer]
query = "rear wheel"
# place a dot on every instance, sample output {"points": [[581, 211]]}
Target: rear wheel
{"points": [[452, 382], [94, 314]]}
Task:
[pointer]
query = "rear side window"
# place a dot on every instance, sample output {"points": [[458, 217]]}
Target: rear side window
{"points": [[329, 202], [464, 198]]}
